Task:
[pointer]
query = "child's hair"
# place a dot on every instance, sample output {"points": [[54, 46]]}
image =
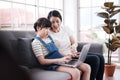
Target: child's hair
{"points": [[54, 13], [43, 23]]}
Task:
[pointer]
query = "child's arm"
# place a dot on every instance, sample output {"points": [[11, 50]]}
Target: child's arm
{"points": [[44, 61]]}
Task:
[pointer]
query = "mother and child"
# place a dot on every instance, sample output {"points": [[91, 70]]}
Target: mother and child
{"points": [[52, 38]]}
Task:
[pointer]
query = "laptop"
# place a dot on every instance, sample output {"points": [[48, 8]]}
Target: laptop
{"points": [[81, 59]]}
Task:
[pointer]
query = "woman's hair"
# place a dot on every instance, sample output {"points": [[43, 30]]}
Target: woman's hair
{"points": [[43, 23], [54, 13]]}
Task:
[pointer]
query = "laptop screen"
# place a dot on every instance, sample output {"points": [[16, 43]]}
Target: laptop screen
{"points": [[84, 52]]}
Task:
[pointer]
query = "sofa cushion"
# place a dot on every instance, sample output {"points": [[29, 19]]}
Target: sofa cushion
{"points": [[26, 55], [13, 48], [39, 74]]}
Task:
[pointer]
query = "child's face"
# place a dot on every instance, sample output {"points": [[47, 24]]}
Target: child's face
{"points": [[44, 32]]}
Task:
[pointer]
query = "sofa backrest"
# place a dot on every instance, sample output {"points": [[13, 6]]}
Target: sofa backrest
{"points": [[18, 45], [94, 48]]}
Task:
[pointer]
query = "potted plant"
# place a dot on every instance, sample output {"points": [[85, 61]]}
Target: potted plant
{"points": [[112, 28]]}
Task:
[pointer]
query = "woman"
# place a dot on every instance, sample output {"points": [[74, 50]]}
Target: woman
{"points": [[67, 45], [47, 53]]}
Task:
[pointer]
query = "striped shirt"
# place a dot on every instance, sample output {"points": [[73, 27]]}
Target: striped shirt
{"points": [[38, 48]]}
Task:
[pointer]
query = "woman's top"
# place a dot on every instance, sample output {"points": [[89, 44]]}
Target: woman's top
{"points": [[62, 40]]}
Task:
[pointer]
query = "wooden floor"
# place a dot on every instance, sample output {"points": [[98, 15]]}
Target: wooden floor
{"points": [[116, 75]]}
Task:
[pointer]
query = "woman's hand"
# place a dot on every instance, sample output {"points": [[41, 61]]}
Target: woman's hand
{"points": [[75, 55], [73, 48]]}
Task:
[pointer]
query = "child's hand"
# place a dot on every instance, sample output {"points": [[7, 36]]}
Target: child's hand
{"points": [[65, 59]]}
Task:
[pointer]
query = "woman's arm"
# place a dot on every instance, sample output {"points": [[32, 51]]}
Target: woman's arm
{"points": [[74, 44]]}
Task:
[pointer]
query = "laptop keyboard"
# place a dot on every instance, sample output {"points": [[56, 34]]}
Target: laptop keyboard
{"points": [[72, 62]]}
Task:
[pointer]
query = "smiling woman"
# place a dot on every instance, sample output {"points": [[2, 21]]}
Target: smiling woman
{"points": [[61, 35]]}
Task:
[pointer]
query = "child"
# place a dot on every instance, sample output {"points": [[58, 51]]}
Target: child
{"points": [[48, 54]]}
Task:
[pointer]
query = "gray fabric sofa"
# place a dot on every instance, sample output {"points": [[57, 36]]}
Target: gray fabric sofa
{"points": [[18, 44]]}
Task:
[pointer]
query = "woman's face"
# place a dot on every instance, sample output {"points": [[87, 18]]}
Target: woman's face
{"points": [[56, 22]]}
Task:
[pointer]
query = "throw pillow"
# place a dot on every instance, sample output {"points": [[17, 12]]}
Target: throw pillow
{"points": [[26, 54]]}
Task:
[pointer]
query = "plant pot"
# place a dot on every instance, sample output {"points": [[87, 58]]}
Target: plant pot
{"points": [[109, 69]]}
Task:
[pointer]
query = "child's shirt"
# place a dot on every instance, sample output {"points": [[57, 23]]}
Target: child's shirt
{"points": [[38, 48]]}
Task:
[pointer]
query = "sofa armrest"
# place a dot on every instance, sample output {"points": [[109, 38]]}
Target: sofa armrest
{"points": [[94, 48]]}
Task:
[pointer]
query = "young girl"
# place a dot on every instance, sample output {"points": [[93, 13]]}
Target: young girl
{"points": [[48, 54]]}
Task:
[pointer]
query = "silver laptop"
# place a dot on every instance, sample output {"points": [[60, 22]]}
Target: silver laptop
{"points": [[81, 59]]}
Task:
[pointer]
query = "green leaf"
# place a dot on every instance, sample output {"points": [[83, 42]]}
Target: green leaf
{"points": [[107, 44], [114, 46], [110, 21], [108, 29], [117, 29], [114, 12], [103, 14], [108, 4]]}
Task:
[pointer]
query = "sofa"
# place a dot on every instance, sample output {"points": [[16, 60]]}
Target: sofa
{"points": [[18, 45]]}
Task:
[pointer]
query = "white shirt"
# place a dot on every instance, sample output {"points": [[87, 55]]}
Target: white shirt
{"points": [[62, 40]]}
